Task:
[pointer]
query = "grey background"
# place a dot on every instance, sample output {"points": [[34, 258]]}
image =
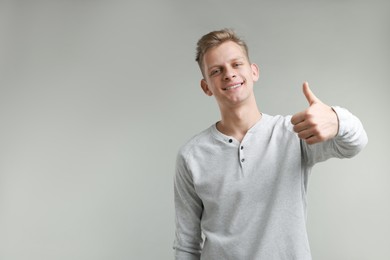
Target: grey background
{"points": [[97, 96]]}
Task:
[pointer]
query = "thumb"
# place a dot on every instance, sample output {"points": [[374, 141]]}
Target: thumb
{"points": [[311, 98]]}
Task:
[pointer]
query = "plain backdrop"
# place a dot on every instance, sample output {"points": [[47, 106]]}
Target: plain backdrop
{"points": [[96, 97]]}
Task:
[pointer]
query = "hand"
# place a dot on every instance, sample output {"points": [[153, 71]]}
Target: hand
{"points": [[317, 123]]}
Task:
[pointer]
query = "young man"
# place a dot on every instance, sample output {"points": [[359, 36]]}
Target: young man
{"points": [[240, 185]]}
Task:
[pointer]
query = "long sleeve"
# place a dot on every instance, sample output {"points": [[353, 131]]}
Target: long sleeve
{"points": [[350, 140], [188, 207]]}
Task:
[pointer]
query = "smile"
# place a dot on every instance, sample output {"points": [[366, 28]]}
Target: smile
{"points": [[234, 86]]}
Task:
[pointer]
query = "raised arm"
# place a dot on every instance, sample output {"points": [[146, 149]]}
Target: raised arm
{"points": [[318, 122], [328, 131]]}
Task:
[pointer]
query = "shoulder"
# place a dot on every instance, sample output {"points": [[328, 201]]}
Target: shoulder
{"points": [[202, 138], [278, 123]]}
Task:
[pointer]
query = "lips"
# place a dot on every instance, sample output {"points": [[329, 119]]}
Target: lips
{"points": [[236, 85]]}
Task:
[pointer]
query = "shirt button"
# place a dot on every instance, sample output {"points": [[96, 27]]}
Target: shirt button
{"points": [[242, 160], [230, 140], [242, 147]]}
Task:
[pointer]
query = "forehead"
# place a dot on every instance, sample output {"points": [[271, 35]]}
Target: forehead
{"points": [[223, 53]]}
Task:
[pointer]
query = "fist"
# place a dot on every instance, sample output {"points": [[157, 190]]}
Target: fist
{"points": [[318, 122]]}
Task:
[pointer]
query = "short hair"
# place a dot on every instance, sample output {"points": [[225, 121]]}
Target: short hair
{"points": [[214, 39]]}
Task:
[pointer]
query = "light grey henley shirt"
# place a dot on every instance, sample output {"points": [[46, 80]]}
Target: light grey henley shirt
{"points": [[247, 201]]}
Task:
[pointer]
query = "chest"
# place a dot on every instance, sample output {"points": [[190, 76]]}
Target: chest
{"points": [[255, 168]]}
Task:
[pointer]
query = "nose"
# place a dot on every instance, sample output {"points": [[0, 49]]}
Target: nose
{"points": [[229, 74]]}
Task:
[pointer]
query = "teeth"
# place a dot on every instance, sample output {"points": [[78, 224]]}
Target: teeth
{"points": [[232, 87]]}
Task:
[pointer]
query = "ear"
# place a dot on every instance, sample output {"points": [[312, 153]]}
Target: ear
{"points": [[255, 72], [205, 87]]}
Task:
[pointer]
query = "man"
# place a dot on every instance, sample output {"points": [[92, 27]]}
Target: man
{"points": [[240, 185]]}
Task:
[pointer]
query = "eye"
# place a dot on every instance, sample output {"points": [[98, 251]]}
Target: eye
{"points": [[215, 72], [237, 64]]}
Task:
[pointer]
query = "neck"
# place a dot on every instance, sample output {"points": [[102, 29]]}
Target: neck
{"points": [[237, 121]]}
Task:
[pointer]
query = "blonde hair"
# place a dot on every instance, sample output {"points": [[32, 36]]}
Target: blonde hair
{"points": [[214, 39]]}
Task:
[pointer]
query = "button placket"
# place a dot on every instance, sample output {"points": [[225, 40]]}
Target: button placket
{"points": [[242, 154]]}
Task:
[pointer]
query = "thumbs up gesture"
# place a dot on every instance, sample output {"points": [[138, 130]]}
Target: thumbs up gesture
{"points": [[318, 122]]}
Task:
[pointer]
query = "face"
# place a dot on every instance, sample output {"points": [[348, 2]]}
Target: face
{"points": [[228, 74]]}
